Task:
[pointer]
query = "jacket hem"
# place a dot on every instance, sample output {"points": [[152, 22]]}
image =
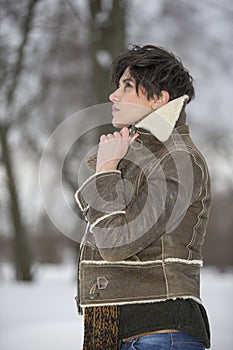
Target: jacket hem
{"points": [[159, 261], [142, 301]]}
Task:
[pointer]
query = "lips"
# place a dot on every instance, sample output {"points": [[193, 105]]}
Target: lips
{"points": [[115, 109]]}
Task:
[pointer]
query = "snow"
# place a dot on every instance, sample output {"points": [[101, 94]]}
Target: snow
{"points": [[42, 314], [217, 292]]}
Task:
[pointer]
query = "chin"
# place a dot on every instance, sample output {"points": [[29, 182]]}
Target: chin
{"points": [[119, 124]]}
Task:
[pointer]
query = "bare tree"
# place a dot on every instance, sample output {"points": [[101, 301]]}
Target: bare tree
{"points": [[66, 60], [21, 250], [107, 38]]}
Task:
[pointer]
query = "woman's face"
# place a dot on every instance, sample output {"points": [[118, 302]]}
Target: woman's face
{"points": [[128, 106]]}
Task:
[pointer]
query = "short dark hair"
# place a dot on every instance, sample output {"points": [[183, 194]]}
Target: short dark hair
{"points": [[155, 69]]}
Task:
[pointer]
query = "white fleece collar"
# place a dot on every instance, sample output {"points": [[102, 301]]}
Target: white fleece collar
{"points": [[162, 121]]}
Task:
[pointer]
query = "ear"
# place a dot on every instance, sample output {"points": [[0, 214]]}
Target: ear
{"points": [[161, 100]]}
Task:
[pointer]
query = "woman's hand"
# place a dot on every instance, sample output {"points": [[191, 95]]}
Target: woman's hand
{"points": [[112, 148]]}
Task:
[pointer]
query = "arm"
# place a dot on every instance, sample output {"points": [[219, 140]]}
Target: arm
{"points": [[160, 200]]}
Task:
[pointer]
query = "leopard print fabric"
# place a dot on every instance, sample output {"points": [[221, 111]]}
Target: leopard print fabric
{"points": [[101, 325]]}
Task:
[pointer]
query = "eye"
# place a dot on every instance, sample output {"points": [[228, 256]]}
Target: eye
{"points": [[127, 85]]}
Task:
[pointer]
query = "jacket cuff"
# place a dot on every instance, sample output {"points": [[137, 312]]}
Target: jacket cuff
{"points": [[101, 194]]}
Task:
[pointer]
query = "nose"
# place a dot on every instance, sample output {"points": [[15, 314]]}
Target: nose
{"points": [[114, 96]]}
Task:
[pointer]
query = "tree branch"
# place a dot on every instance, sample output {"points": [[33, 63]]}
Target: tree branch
{"points": [[75, 12], [21, 52]]}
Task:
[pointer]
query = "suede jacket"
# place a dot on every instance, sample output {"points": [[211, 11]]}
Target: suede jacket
{"points": [[147, 219]]}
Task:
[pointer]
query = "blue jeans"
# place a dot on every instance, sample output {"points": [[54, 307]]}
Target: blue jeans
{"points": [[164, 341]]}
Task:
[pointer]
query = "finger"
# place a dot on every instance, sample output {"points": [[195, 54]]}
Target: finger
{"points": [[110, 136], [124, 133], [134, 137], [103, 138], [117, 134]]}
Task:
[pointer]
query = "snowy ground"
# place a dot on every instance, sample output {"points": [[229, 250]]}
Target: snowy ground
{"points": [[42, 315]]}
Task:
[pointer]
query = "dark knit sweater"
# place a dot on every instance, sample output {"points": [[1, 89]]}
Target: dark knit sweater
{"points": [[184, 315]]}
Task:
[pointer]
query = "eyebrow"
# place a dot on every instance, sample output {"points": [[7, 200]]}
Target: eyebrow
{"points": [[127, 80]]}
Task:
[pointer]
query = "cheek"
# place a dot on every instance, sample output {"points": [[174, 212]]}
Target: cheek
{"points": [[129, 113], [141, 100]]}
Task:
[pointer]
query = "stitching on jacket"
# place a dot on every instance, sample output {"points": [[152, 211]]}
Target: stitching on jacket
{"points": [[174, 141], [163, 265], [204, 177], [166, 155], [138, 181], [197, 224]]}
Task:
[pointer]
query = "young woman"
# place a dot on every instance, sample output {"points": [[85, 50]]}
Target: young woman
{"points": [[147, 207]]}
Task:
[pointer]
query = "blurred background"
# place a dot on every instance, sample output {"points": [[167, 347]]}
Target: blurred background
{"points": [[55, 58]]}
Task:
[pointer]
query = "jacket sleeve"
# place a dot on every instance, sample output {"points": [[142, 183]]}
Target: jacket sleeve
{"points": [[124, 225]]}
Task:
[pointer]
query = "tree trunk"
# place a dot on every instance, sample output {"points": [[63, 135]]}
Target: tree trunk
{"points": [[107, 38], [21, 254], [21, 250]]}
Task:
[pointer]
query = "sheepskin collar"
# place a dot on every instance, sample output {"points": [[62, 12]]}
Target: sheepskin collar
{"points": [[162, 121]]}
